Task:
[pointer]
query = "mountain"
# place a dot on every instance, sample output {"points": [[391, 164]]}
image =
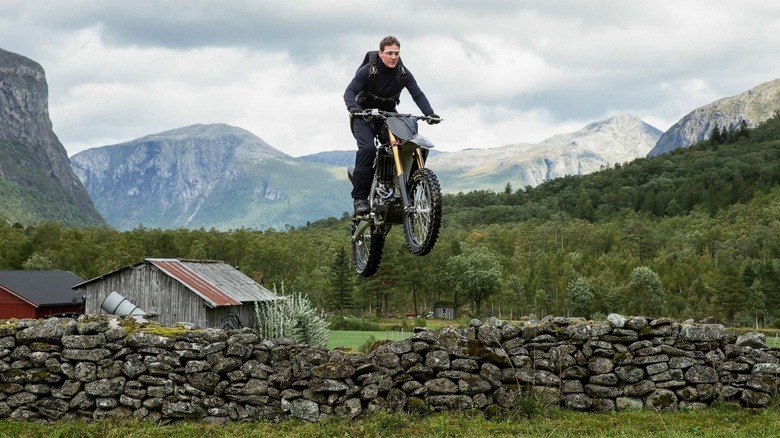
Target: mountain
{"points": [[341, 158], [36, 179], [332, 158], [598, 145], [207, 176], [753, 106]]}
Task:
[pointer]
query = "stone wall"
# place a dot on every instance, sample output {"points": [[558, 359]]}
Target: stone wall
{"points": [[105, 367]]}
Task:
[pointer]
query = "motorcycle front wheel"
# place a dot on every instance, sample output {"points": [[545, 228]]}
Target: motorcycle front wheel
{"points": [[367, 249], [422, 223]]}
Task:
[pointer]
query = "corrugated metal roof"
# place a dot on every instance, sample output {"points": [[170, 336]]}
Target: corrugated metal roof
{"points": [[44, 288], [218, 283]]}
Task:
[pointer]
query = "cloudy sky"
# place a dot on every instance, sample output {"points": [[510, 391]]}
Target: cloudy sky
{"points": [[498, 72]]}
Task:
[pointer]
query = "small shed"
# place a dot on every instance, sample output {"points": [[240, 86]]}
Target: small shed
{"points": [[37, 294], [210, 294], [443, 310]]}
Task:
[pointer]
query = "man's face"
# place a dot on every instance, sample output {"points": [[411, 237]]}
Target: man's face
{"points": [[390, 55]]}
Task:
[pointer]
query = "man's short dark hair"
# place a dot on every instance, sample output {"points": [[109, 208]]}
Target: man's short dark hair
{"points": [[388, 41]]}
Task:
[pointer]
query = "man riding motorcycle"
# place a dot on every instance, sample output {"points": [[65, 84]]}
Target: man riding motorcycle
{"points": [[377, 85]]}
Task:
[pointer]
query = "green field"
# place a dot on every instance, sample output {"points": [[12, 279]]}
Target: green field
{"points": [[355, 339], [531, 421]]}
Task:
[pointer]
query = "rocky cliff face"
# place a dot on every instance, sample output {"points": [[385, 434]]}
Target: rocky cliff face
{"points": [[36, 179], [208, 176], [753, 106], [598, 145]]}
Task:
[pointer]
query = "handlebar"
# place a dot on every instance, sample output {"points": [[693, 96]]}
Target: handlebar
{"points": [[376, 113]]}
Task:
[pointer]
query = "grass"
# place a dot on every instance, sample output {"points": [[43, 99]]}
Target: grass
{"points": [[355, 339], [714, 422]]}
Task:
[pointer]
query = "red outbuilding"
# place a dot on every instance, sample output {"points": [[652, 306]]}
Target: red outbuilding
{"points": [[38, 294]]}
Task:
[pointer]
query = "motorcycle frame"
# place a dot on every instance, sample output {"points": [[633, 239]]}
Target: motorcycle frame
{"points": [[402, 174]]}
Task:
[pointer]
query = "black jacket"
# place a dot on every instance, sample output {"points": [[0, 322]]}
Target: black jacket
{"points": [[386, 86]]}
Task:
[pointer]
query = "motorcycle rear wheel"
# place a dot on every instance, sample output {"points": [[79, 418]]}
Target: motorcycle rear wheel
{"points": [[422, 225], [367, 250]]}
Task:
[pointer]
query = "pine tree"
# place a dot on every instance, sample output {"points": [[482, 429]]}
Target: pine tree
{"points": [[341, 282]]}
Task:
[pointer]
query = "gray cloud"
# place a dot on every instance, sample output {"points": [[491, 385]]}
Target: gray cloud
{"points": [[499, 71]]}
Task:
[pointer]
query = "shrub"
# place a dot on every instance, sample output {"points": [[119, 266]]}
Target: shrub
{"points": [[294, 318]]}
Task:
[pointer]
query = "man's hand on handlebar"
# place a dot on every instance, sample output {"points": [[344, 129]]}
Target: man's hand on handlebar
{"points": [[373, 112]]}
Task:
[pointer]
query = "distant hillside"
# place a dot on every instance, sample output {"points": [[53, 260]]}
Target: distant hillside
{"points": [[36, 180], [208, 176], [705, 178], [332, 158], [598, 145], [753, 106], [341, 158]]}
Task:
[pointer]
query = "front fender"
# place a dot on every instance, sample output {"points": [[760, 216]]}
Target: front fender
{"points": [[418, 140]]}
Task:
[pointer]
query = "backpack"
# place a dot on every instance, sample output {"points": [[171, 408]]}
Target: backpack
{"points": [[371, 59]]}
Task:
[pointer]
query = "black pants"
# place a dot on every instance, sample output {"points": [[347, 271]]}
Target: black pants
{"points": [[364, 132]]}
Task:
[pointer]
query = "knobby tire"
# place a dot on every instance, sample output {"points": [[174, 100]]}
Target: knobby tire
{"points": [[422, 225]]}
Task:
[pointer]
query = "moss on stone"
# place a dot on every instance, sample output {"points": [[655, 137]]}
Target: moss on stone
{"points": [[166, 332], [417, 405], [40, 375], [622, 356], [476, 348], [13, 372]]}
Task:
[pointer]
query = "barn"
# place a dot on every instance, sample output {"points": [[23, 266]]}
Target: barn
{"points": [[37, 294], [207, 293]]}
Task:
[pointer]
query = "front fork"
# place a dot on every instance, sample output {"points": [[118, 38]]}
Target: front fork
{"points": [[399, 170]]}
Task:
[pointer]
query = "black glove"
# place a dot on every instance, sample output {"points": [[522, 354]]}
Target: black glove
{"points": [[434, 119]]}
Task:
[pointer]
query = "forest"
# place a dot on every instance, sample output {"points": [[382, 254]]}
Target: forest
{"points": [[689, 234]]}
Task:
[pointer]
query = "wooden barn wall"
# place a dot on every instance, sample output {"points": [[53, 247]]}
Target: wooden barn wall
{"points": [[13, 307], [153, 292], [56, 310], [221, 316]]}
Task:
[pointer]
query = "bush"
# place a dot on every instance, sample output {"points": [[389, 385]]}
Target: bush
{"points": [[294, 318]]}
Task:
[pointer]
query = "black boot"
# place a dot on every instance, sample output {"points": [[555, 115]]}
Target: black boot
{"points": [[361, 207]]}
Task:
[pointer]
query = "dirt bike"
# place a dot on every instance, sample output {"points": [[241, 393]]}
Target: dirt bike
{"points": [[403, 191]]}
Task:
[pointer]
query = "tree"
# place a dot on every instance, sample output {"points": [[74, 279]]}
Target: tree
{"points": [[646, 291], [341, 282], [475, 274], [579, 297]]}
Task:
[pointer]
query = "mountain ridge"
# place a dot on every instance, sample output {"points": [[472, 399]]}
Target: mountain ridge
{"points": [[754, 106], [213, 175], [597, 145], [36, 179]]}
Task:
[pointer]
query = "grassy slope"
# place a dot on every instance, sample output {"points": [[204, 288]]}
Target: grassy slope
{"points": [[29, 196]]}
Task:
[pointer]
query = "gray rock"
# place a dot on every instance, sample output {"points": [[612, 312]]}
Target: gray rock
{"points": [[600, 365], [49, 331], [474, 385], [598, 391], [755, 399], [701, 374], [578, 402], [450, 402], [766, 368], [662, 400], [630, 374], [639, 389], [105, 387], [83, 341], [616, 320], [441, 386], [438, 360], [629, 403]]}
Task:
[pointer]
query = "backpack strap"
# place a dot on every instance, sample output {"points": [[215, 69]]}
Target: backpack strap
{"points": [[371, 59]]}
